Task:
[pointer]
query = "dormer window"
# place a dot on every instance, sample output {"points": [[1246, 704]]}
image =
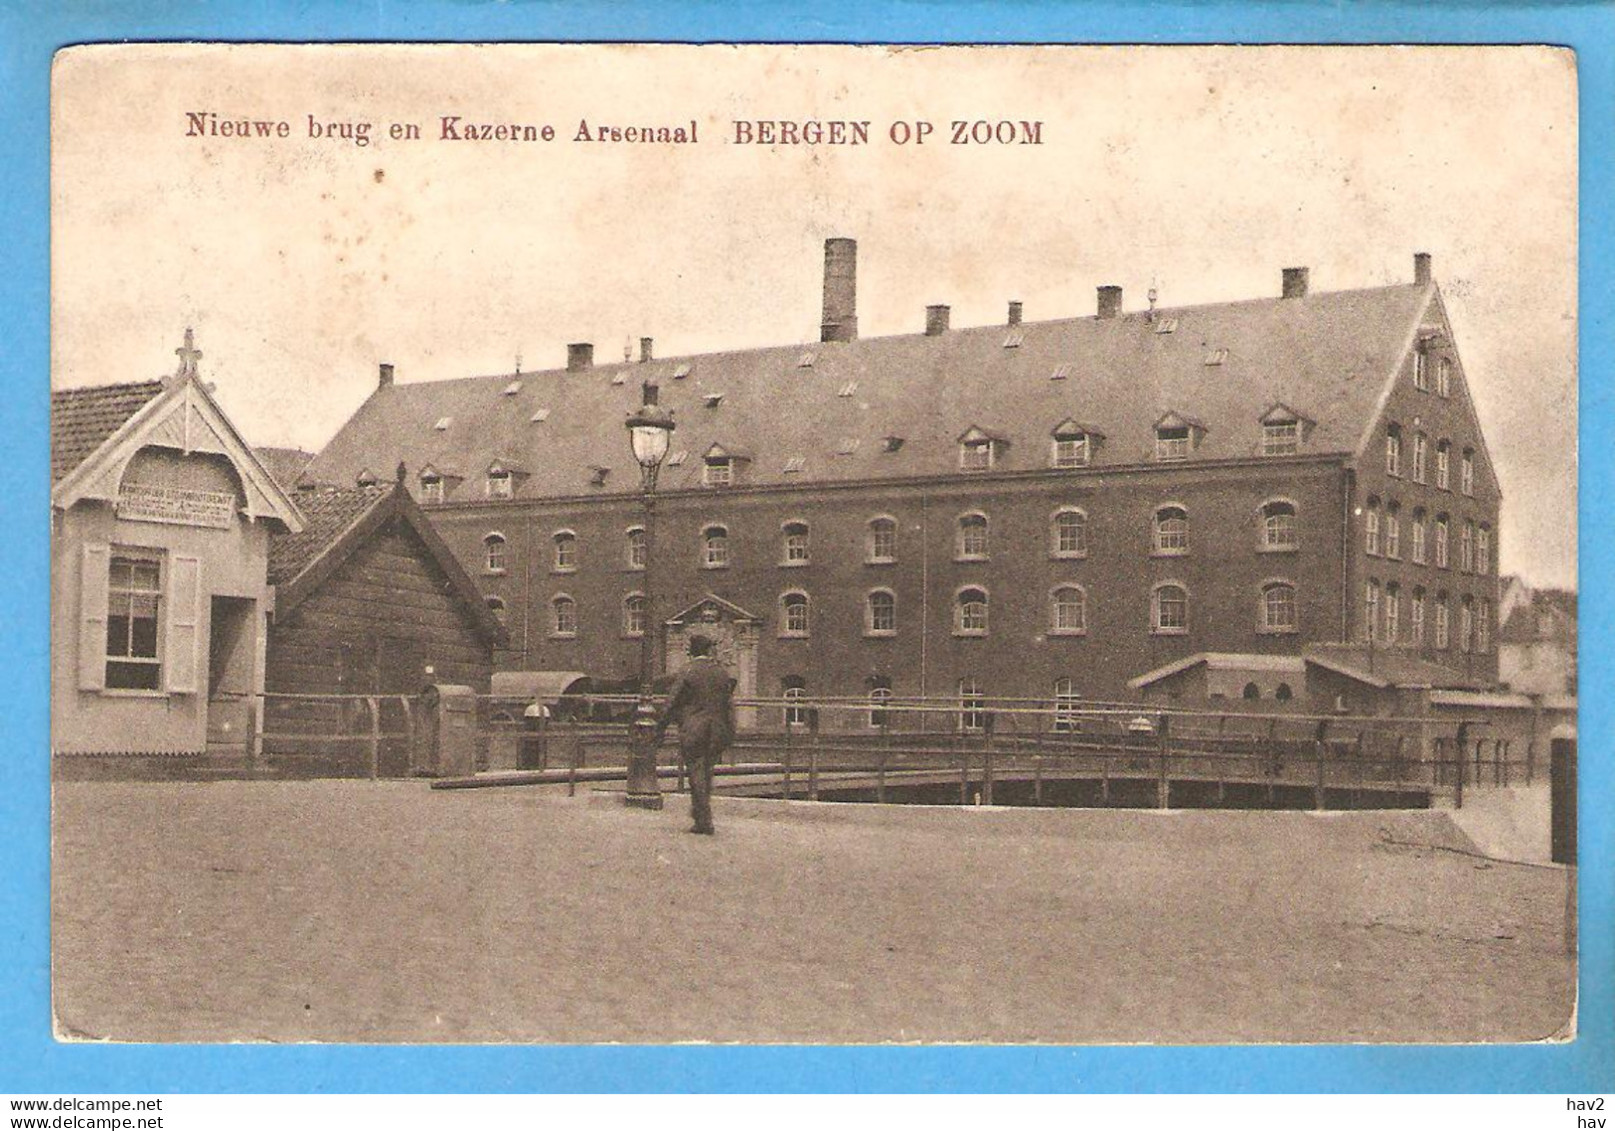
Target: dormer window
{"points": [[367, 478], [1073, 444], [718, 471], [1281, 438], [500, 485], [1283, 430], [431, 488], [443, 423], [1172, 442], [978, 450], [1176, 436]]}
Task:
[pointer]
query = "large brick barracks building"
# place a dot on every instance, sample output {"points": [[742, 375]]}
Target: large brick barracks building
{"points": [[1026, 510]]}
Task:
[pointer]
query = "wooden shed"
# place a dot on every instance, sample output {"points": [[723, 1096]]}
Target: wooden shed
{"points": [[368, 601]]}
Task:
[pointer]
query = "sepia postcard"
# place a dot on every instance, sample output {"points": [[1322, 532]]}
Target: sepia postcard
{"points": [[813, 544]]}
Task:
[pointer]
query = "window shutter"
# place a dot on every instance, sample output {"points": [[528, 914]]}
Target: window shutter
{"points": [[93, 581], [184, 597]]}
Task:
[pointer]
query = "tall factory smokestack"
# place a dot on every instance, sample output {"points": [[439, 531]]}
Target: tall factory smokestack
{"points": [[840, 321]]}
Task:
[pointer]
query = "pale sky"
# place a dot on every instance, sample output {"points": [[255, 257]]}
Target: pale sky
{"points": [[302, 262]]}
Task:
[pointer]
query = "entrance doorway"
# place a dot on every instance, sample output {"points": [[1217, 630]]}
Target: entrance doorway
{"points": [[231, 660]]}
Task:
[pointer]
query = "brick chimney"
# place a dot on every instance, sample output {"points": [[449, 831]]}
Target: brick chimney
{"points": [[645, 353], [386, 375], [936, 320], [1110, 301], [1014, 313], [579, 356], [1295, 282], [840, 320], [1422, 273]]}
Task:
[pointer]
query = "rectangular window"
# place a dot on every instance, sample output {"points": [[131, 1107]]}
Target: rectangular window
{"points": [[1393, 536], [499, 486], [432, 490], [1281, 439], [882, 541], [1371, 532], [1371, 612], [134, 597], [1171, 443], [717, 473], [1443, 624], [1483, 627], [1071, 451], [1444, 377], [1393, 614], [1466, 474], [976, 455], [1418, 541], [1443, 468], [1441, 544], [1393, 454], [1421, 370], [1416, 610], [1483, 551], [1420, 457]]}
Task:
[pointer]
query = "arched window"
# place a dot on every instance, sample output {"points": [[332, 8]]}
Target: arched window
{"points": [[1441, 541], [563, 616], [715, 547], [794, 550], [1371, 542], [493, 550], [1421, 457], [880, 613], [1278, 607], [970, 612], [1393, 450], [1069, 611], [1066, 700], [880, 694], [1443, 622], [1416, 617], [1371, 610], [637, 548], [880, 546], [1393, 530], [1278, 526], [1171, 530], [972, 537], [1251, 692], [496, 606], [1169, 609], [566, 551], [1283, 693], [793, 614], [1417, 532], [633, 615], [1393, 612], [1443, 465], [972, 707], [1070, 532], [793, 691]]}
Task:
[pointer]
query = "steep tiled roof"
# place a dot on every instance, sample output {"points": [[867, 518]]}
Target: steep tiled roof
{"points": [[1328, 356], [81, 420], [327, 514], [284, 464]]}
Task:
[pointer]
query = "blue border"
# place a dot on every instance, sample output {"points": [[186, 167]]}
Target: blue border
{"points": [[31, 30]]}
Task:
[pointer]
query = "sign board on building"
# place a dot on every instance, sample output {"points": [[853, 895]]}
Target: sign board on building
{"points": [[150, 502]]}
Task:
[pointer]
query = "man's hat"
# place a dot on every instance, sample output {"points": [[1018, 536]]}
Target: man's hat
{"points": [[701, 646]]}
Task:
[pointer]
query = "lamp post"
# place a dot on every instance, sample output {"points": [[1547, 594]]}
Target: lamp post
{"points": [[650, 431]]}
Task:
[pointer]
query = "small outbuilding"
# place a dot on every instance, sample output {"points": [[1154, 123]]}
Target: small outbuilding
{"points": [[369, 601]]}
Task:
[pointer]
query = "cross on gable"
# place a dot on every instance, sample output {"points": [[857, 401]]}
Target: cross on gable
{"points": [[188, 355]]}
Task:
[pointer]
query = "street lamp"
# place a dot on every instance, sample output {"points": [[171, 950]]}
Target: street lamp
{"points": [[650, 431]]}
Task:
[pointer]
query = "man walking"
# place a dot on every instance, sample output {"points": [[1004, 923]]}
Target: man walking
{"points": [[701, 702]]}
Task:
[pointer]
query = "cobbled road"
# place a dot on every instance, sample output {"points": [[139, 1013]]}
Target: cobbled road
{"points": [[385, 912]]}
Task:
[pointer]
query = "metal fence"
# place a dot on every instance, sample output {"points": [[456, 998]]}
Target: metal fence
{"points": [[817, 747]]}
